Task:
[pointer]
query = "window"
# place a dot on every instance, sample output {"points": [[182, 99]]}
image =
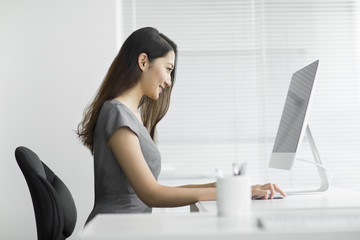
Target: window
{"points": [[235, 63]]}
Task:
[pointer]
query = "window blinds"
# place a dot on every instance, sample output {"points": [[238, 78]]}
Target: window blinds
{"points": [[235, 62]]}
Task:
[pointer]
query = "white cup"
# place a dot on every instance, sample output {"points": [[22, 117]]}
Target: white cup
{"points": [[233, 196]]}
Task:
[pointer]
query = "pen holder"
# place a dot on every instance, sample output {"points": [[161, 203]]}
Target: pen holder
{"points": [[233, 196]]}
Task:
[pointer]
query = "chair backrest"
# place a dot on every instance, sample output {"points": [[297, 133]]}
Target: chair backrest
{"points": [[54, 207]]}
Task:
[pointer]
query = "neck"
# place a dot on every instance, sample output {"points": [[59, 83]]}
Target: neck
{"points": [[131, 98]]}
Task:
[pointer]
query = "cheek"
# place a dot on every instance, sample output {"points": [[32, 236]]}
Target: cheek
{"points": [[162, 75]]}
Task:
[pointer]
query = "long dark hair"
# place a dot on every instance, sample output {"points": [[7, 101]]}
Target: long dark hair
{"points": [[124, 74]]}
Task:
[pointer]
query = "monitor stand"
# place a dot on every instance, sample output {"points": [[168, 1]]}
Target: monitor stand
{"points": [[324, 173]]}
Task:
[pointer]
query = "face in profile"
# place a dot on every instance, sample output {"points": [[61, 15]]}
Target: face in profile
{"points": [[156, 75]]}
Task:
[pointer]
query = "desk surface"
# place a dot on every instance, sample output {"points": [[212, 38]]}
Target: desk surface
{"points": [[207, 225], [335, 198]]}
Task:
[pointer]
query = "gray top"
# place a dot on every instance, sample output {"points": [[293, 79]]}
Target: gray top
{"points": [[113, 192]]}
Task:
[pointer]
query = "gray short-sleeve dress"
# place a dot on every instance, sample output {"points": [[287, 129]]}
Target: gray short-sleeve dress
{"points": [[113, 192]]}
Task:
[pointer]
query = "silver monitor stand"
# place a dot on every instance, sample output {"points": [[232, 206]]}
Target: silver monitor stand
{"points": [[324, 173]]}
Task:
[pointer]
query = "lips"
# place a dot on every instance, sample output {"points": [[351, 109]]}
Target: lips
{"points": [[161, 88]]}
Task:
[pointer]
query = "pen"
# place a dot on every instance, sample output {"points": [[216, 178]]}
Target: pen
{"points": [[239, 170], [242, 169]]}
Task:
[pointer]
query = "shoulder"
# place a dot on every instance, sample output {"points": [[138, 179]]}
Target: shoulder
{"points": [[113, 105], [114, 108], [114, 115]]}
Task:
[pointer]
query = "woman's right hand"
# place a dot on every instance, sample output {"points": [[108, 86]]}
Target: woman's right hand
{"points": [[267, 190]]}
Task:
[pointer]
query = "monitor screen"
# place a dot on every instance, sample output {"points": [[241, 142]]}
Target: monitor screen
{"points": [[294, 117]]}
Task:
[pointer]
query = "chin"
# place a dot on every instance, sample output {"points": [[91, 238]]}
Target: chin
{"points": [[154, 97]]}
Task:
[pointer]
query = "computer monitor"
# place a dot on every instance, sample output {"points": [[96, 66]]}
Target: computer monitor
{"points": [[294, 124]]}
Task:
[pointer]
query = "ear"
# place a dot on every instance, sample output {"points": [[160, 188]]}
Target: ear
{"points": [[143, 61]]}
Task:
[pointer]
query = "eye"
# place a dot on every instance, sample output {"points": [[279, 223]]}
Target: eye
{"points": [[169, 69]]}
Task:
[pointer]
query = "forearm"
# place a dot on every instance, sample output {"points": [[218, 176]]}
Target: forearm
{"points": [[207, 185], [181, 196]]}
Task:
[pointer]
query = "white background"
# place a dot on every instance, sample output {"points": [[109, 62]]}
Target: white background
{"points": [[53, 57]]}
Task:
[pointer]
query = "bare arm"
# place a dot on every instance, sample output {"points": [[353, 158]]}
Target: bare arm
{"points": [[206, 185], [126, 148], [266, 190]]}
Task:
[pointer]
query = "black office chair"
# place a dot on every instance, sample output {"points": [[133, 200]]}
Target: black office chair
{"points": [[54, 207]]}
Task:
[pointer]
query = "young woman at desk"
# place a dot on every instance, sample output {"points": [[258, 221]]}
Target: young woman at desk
{"points": [[121, 139]]}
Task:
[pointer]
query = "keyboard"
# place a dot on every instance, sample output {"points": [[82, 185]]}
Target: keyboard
{"points": [[275, 196]]}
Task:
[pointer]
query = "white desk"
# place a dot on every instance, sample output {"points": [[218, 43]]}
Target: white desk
{"points": [[335, 198], [207, 225]]}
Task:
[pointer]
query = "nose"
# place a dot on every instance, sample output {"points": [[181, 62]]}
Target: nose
{"points": [[168, 82]]}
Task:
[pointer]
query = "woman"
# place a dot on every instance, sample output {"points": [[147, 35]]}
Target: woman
{"points": [[126, 160]]}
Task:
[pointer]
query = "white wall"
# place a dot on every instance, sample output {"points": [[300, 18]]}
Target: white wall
{"points": [[53, 56]]}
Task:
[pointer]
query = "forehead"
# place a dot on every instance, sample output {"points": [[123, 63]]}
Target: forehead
{"points": [[168, 58]]}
